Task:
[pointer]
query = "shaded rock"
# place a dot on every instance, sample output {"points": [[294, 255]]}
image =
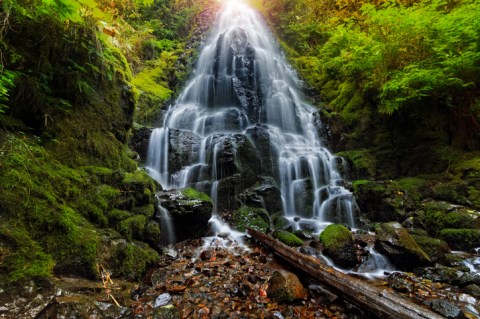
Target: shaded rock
{"points": [[261, 139], [447, 309], [373, 200], [285, 287], [394, 241], [264, 196], [400, 282], [461, 239], [436, 249], [139, 140], [339, 245], [83, 307], [473, 290], [190, 213], [449, 275], [183, 147]]}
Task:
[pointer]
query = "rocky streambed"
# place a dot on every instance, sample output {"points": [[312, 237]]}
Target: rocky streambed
{"points": [[218, 279]]}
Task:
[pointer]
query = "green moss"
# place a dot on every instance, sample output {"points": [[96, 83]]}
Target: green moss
{"points": [[334, 237], [363, 161], [287, 238], [21, 257], [463, 239], [193, 194], [279, 221], [435, 248], [249, 217], [116, 215], [132, 227], [436, 216], [394, 233], [131, 260]]}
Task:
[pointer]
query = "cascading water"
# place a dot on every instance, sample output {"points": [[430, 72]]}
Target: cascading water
{"points": [[242, 122]]}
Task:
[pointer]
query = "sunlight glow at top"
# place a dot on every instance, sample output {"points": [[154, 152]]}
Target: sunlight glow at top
{"points": [[229, 1]]}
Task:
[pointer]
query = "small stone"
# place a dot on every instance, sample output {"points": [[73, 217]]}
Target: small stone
{"points": [[224, 235], [163, 300]]}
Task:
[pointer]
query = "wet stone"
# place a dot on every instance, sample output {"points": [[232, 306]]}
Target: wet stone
{"points": [[447, 309]]}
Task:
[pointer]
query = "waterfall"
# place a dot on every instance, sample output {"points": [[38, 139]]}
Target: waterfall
{"points": [[245, 98]]}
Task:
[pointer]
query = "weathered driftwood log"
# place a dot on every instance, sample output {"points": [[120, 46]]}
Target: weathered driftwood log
{"points": [[378, 300]]}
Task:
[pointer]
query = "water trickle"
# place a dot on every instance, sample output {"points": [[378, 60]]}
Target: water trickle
{"points": [[245, 96], [166, 224]]}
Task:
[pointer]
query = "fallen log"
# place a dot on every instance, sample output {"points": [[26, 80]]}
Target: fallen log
{"points": [[378, 300]]}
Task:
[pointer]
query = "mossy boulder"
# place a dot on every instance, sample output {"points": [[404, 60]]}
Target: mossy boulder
{"points": [[285, 287], [435, 248], [396, 243], [279, 222], [461, 239], [435, 216], [339, 245], [287, 238], [126, 259], [372, 199], [249, 217]]}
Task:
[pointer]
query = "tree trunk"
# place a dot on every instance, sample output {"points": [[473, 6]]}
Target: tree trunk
{"points": [[378, 300]]}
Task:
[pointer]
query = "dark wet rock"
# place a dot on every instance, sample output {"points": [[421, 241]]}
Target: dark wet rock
{"points": [[285, 287], [280, 222], [339, 245], [374, 201], [473, 290], [139, 140], [264, 196], [447, 309], [453, 276], [261, 139], [190, 216], [183, 146], [400, 282], [394, 241], [461, 239], [435, 248]]}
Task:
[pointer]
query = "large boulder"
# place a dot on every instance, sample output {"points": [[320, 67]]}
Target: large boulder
{"points": [[285, 287], [339, 245], [190, 211], [394, 241]]}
